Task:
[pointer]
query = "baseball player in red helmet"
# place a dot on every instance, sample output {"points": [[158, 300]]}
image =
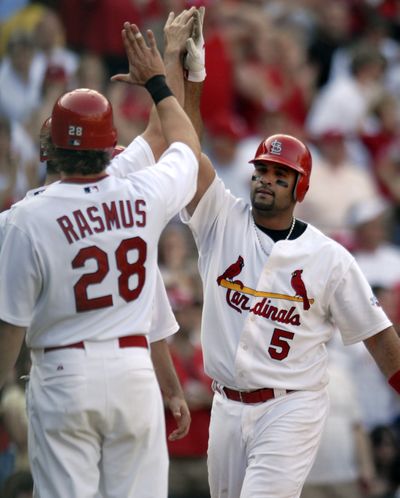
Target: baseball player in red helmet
{"points": [[82, 259], [275, 291], [141, 153]]}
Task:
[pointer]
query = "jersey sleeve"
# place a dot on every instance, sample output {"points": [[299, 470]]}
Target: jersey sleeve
{"points": [[355, 309], [20, 278], [172, 182], [136, 156], [163, 322], [215, 203]]}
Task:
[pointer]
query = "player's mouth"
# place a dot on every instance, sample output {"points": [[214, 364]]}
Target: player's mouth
{"points": [[265, 192]]}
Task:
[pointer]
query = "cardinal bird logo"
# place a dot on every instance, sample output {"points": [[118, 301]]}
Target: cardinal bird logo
{"points": [[299, 288], [232, 271]]}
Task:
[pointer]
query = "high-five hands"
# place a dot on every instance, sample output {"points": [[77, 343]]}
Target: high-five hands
{"points": [[144, 59], [195, 58], [178, 28]]}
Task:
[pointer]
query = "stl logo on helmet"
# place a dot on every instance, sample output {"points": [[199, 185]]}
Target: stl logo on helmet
{"points": [[276, 147]]}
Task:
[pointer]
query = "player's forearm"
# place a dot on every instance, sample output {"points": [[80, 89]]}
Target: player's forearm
{"points": [[193, 91], [165, 370], [174, 75], [176, 125], [385, 348], [11, 339]]}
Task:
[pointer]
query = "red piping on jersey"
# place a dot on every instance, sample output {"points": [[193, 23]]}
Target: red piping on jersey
{"points": [[81, 179]]}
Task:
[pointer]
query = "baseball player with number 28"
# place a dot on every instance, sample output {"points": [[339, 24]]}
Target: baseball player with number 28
{"points": [[81, 257], [275, 291]]}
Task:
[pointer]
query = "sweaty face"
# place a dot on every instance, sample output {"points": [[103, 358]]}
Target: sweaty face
{"points": [[272, 187]]}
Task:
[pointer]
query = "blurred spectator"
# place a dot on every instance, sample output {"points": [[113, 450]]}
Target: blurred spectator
{"points": [[22, 19], [344, 466], [385, 450], [13, 425], [21, 76], [378, 258], [394, 479], [336, 184], [221, 144], [275, 77], [7, 455], [54, 84], [18, 163], [380, 130], [13, 410], [178, 264], [301, 14], [8, 167], [229, 30], [92, 73], [18, 485], [344, 102], [333, 31], [93, 26], [380, 404], [188, 466], [131, 108], [375, 33], [50, 41], [388, 173]]}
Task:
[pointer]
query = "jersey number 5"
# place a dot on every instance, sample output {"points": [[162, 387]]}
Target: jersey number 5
{"points": [[279, 346], [126, 270]]}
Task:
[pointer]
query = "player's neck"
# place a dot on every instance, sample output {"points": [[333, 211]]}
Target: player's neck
{"points": [[80, 177], [282, 221]]}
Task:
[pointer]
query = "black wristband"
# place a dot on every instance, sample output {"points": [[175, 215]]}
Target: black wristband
{"points": [[158, 88]]}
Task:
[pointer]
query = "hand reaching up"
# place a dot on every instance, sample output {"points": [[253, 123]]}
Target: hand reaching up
{"points": [[177, 30], [144, 59], [195, 58]]}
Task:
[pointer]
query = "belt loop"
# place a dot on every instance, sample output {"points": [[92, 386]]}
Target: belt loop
{"points": [[216, 387], [278, 393]]}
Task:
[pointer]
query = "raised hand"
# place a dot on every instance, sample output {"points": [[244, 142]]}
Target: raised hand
{"points": [[195, 59], [144, 59], [178, 29]]}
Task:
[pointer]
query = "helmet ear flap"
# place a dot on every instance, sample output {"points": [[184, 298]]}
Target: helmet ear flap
{"points": [[301, 187]]}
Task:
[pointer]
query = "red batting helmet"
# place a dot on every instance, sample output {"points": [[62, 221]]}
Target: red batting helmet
{"points": [[288, 150], [82, 120]]}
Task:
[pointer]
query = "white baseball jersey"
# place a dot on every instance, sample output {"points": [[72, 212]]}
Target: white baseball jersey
{"points": [[91, 253], [138, 155], [267, 318]]}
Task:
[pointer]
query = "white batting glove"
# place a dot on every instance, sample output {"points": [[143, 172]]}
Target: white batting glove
{"points": [[195, 58]]}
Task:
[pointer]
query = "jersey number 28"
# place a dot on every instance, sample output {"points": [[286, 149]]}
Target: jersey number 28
{"points": [[126, 270]]}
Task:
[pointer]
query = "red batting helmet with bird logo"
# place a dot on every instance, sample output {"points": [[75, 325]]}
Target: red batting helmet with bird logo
{"points": [[291, 152]]}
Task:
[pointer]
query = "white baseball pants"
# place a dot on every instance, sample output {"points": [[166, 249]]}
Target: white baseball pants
{"points": [[96, 424], [264, 450]]}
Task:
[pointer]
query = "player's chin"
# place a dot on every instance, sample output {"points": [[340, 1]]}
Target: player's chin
{"points": [[262, 203]]}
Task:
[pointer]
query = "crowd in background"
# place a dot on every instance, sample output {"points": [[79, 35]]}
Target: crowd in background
{"points": [[326, 71]]}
